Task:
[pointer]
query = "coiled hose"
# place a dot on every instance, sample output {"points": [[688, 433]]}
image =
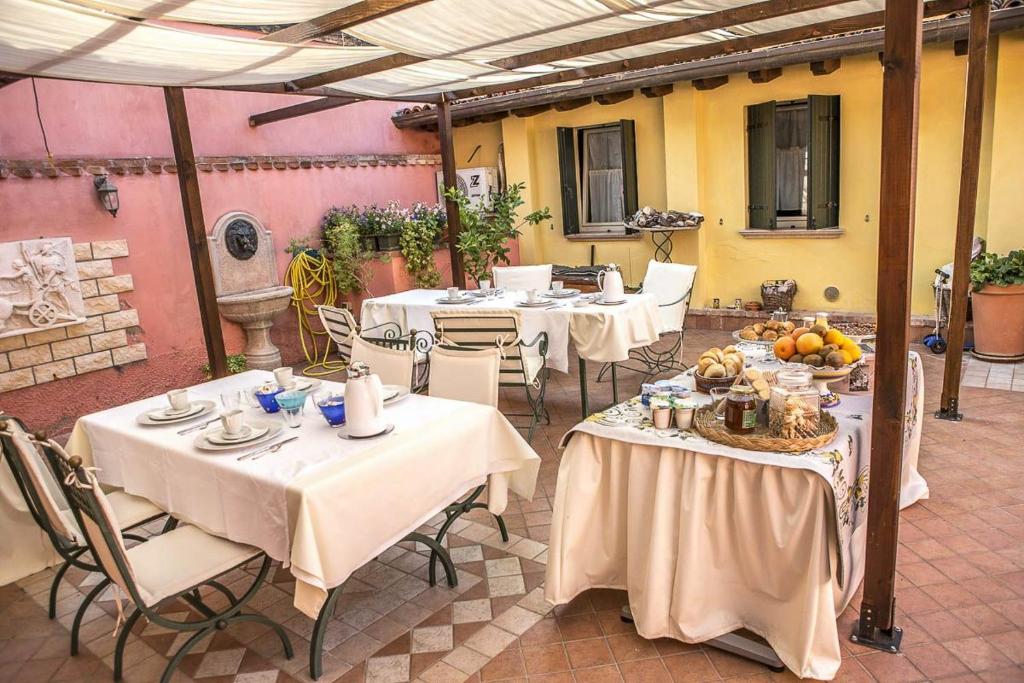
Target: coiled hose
{"points": [[311, 277]]}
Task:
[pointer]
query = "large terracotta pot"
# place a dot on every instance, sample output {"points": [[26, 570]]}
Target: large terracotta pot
{"points": [[999, 320]]}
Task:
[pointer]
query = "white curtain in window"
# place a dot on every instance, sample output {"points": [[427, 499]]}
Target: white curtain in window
{"points": [[604, 175], [790, 157]]}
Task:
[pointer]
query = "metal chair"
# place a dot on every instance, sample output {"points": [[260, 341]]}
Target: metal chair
{"points": [[522, 277], [34, 477], [167, 567], [341, 327], [397, 358], [523, 365], [671, 284]]}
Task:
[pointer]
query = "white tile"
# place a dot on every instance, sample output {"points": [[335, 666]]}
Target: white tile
{"points": [[503, 566], [535, 602], [431, 639], [468, 611], [467, 553], [490, 640], [516, 620], [466, 660], [501, 586], [528, 548], [392, 669]]}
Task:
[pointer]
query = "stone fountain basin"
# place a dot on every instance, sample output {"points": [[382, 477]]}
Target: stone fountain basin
{"points": [[255, 306]]}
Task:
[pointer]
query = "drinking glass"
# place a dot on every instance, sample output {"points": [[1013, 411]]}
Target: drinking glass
{"points": [[718, 395], [230, 400], [556, 286], [291, 403]]}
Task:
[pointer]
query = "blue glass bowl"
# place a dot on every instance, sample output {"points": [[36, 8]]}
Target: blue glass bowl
{"points": [[268, 400], [333, 410], [291, 400]]}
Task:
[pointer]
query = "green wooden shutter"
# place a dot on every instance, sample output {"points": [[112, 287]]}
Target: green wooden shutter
{"points": [[823, 162], [567, 177], [762, 202], [630, 201]]}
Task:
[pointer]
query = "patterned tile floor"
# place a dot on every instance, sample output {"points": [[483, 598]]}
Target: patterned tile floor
{"points": [[960, 597], [982, 373]]}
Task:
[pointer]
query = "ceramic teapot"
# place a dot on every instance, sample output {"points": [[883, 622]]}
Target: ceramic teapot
{"points": [[364, 401], [609, 281]]}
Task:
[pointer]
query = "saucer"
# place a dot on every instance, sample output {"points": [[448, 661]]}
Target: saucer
{"points": [[460, 300], [248, 433], [534, 304], [602, 302], [344, 435], [561, 293], [268, 430], [198, 408], [394, 393], [166, 414]]}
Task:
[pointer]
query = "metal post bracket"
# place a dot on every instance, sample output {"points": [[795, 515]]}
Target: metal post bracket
{"points": [[878, 639]]}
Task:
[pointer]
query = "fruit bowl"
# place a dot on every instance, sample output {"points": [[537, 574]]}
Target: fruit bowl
{"points": [[758, 342], [821, 377]]}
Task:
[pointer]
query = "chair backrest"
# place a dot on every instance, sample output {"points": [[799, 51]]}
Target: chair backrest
{"points": [[523, 277], [392, 365], [671, 285], [341, 327], [464, 374], [485, 329], [38, 487], [99, 523]]}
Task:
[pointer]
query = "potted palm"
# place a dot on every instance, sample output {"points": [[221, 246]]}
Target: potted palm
{"points": [[998, 305]]}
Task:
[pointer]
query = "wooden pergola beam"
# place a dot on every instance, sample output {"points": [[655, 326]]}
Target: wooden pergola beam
{"points": [[532, 111], [900, 110], [339, 20], [450, 178], [370, 66], [574, 103], [825, 67], [795, 34], [198, 246], [758, 11], [300, 109], [977, 54], [614, 97]]}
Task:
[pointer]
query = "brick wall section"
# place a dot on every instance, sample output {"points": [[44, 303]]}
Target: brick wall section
{"points": [[106, 338]]}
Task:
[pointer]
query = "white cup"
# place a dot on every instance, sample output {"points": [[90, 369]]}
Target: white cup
{"points": [[556, 285], [285, 378], [453, 293], [233, 421], [531, 295], [485, 284], [178, 398]]}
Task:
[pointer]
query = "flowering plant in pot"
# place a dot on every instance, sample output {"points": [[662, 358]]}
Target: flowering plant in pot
{"points": [[998, 304]]}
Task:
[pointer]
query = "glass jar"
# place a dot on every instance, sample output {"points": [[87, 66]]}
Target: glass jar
{"points": [[794, 409], [741, 410], [821, 318]]}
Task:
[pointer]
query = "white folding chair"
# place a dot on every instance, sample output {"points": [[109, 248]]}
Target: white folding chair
{"points": [[671, 285], [522, 278], [465, 375], [392, 365]]}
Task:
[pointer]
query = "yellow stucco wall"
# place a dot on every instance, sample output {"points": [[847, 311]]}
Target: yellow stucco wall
{"points": [[691, 156]]}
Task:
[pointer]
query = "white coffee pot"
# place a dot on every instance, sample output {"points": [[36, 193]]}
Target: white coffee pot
{"points": [[609, 281], [364, 401]]}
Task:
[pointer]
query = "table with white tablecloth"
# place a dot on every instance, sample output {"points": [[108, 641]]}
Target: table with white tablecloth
{"points": [[293, 503], [708, 539], [599, 333]]}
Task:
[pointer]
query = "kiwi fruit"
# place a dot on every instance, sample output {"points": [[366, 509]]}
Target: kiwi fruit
{"points": [[796, 358], [814, 360], [835, 360], [819, 330], [829, 348]]}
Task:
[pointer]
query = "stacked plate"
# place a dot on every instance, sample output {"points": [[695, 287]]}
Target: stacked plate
{"points": [[163, 416], [254, 432], [465, 299], [564, 293]]}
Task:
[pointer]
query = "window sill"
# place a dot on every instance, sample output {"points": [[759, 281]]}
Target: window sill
{"points": [[822, 234], [602, 237]]}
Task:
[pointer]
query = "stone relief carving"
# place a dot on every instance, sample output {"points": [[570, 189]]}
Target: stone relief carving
{"points": [[242, 254], [38, 286]]}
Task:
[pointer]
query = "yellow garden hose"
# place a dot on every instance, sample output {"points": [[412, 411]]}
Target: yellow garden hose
{"points": [[311, 277]]}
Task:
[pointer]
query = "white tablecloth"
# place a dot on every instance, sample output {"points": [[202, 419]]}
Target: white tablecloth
{"points": [[708, 539], [600, 333], [321, 504]]}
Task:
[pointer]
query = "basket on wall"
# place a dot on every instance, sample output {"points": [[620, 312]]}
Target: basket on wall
{"points": [[776, 294]]}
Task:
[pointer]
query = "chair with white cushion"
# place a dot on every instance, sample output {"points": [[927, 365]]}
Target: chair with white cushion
{"points": [[167, 567], [671, 285], [341, 327], [522, 278], [46, 503], [523, 364]]}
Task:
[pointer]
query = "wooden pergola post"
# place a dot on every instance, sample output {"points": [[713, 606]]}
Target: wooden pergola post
{"points": [[444, 131], [900, 105], [198, 248], [977, 55]]}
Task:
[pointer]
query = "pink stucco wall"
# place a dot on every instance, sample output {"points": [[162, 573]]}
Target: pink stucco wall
{"points": [[92, 120]]}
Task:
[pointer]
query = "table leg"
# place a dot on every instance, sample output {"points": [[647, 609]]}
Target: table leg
{"points": [[584, 402], [615, 386], [316, 643], [662, 245]]}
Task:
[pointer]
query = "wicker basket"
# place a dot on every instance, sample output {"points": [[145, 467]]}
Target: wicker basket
{"points": [[776, 294], [706, 384], [760, 440]]}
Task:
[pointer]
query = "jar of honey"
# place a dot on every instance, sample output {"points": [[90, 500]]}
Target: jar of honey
{"points": [[741, 410]]}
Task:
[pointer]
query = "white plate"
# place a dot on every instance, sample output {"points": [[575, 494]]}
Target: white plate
{"points": [[562, 293], [218, 437], [204, 407], [534, 304], [274, 428], [602, 302], [304, 384], [460, 300], [165, 414], [759, 342], [394, 393]]}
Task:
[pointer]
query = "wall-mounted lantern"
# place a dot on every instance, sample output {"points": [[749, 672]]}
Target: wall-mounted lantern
{"points": [[107, 192]]}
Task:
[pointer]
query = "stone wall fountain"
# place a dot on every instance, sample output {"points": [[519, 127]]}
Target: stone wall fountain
{"points": [[245, 278]]}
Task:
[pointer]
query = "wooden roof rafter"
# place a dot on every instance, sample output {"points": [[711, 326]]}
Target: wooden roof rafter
{"points": [[340, 19]]}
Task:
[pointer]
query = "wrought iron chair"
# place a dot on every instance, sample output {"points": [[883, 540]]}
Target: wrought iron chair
{"points": [[341, 327], [401, 359], [522, 277], [167, 567], [523, 364], [671, 284], [35, 480]]}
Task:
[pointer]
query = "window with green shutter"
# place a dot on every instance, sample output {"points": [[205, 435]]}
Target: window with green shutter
{"points": [[598, 177], [793, 164]]}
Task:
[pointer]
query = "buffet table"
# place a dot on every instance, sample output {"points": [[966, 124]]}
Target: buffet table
{"points": [[708, 539]]}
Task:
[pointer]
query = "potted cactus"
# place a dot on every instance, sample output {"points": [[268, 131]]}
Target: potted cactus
{"points": [[998, 305]]}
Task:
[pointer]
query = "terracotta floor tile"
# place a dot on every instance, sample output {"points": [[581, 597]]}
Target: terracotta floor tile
{"points": [[982, 619], [645, 671], [508, 664], [934, 660], [942, 625], [588, 653], [729, 665], [891, 668], [575, 627], [629, 646], [693, 667], [977, 654], [543, 632], [599, 674], [543, 659]]}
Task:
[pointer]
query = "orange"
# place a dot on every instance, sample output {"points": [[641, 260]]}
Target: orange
{"points": [[784, 348], [834, 336], [809, 343], [795, 334]]}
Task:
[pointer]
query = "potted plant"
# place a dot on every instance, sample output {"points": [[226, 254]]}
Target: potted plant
{"points": [[389, 224], [485, 231], [998, 304], [347, 249], [421, 234]]}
